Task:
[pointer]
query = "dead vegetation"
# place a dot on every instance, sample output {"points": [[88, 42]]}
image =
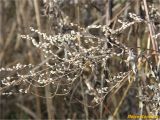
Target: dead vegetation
{"points": [[79, 59]]}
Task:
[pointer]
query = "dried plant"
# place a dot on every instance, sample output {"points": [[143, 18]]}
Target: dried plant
{"points": [[81, 62]]}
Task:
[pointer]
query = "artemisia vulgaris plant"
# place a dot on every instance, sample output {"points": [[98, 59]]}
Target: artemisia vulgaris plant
{"points": [[80, 59]]}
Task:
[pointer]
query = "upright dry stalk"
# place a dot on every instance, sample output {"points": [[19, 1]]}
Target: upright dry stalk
{"points": [[138, 10], [47, 88], [38, 108], [109, 13], [83, 94], [1, 25], [19, 22], [102, 85], [84, 100], [140, 93], [151, 30], [36, 5]]}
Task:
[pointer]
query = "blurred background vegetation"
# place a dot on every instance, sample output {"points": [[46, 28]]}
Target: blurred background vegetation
{"points": [[16, 16]]}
